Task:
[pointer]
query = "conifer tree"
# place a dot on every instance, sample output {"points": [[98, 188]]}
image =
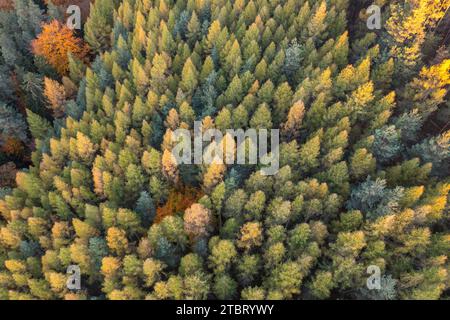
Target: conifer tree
{"points": [[40, 128], [363, 156], [100, 24]]}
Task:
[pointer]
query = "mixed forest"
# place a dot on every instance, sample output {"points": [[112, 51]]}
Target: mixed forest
{"points": [[87, 178]]}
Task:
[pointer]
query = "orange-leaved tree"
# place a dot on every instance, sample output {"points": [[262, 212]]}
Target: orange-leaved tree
{"points": [[13, 147], [55, 42], [178, 201]]}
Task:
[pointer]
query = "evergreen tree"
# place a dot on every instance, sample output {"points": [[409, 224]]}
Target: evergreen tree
{"points": [[436, 151], [145, 208], [40, 128], [99, 25], [363, 175], [12, 123]]}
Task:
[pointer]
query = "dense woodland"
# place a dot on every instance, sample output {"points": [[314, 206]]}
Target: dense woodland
{"points": [[86, 176]]}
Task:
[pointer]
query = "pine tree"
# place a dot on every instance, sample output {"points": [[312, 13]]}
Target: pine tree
{"points": [[100, 24], [40, 128], [362, 164], [309, 153], [374, 199], [363, 155], [262, 118], [387, 144], [435, 151]]}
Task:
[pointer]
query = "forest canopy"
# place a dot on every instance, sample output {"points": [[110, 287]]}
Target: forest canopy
{"points": [[87, 179]]}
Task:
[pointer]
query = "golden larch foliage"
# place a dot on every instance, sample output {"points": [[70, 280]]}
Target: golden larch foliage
{"points": [[169, 166], [110, 266], [294, 120], [213, 175], [251, 235], [56, 95]]}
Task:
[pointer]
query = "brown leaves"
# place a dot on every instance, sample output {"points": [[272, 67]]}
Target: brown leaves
{"points": [[178, 201]]}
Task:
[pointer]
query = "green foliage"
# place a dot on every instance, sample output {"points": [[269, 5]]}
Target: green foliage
{"points": [[374, 199], [363, 177], [40, 128], [99, 25], [387, 144], [435, 150]]}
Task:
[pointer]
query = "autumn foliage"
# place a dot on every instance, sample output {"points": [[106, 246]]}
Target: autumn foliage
{"points": [[13, 147], [6, 4], [55, 42], [55, 94], [197, 220], [178, 201]]}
